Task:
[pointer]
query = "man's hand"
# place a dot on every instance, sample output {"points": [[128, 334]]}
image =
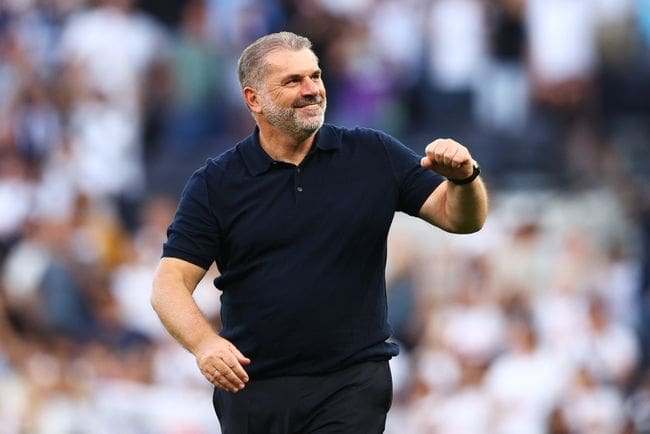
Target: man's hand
{"points": [[221, 364], [448, 158]]}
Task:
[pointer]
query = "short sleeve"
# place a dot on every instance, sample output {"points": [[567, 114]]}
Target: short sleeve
{"points": [[414, 182], [194, 235]]}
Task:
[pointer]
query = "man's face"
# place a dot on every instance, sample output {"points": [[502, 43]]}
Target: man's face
{"points": [[293, 95]]}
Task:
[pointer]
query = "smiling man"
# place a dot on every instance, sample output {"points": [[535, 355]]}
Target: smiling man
{"points": [[296, 218]]}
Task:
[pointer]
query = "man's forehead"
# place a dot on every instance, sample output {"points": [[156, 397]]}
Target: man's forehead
{"points": [[282, 60]]}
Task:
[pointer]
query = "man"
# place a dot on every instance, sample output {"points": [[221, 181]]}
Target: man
{"points": [[296, 217]]}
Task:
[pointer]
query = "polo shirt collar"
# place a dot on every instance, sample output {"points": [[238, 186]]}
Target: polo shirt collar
{"points": [[327, 139], [258, 161]]}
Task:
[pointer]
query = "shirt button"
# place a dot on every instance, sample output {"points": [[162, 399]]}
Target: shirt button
{"points": [[297, 169], [299, 189]]}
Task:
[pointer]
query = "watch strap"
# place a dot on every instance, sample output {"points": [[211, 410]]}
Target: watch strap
{"points": [[475, 173]]}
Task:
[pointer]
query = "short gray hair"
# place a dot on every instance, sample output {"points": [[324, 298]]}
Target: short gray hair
{"points": [[252, 65]]}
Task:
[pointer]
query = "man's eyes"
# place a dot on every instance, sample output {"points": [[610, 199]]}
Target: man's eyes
{"points": [[297, 80]]}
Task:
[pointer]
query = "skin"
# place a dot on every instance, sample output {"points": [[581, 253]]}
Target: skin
{"points": [[289, 107]]}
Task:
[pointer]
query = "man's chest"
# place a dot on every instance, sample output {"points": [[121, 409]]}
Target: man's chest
{"points": [[317, 202]]}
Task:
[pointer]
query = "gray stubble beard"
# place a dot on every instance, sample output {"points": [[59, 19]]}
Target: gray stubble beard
{"points": [[286, 119]]}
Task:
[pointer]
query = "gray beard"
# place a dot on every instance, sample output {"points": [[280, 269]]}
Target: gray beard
{"points": [[288, 121]]}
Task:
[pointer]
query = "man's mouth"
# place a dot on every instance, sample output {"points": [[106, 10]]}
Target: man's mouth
{"points": [[303, 104]]}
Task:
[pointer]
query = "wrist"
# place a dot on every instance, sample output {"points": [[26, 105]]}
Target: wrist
{"points": [[476, 171], [204, 340]]}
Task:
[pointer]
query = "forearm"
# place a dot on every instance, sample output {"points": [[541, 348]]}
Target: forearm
{"points": [[460, 209], [172, 300], [181, 317], [465, 206]]}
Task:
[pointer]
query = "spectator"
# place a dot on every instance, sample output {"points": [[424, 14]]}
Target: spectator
{"points": [[525, 382], [610, 349], [592, 407]]}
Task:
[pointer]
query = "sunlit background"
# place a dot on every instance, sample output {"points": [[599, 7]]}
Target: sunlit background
{"points": [[538, 324]]}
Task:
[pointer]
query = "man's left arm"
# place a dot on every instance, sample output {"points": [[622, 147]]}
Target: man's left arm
{"points": [[461, 206]]}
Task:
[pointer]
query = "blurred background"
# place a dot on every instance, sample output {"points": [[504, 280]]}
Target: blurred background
{"points": [[540, 323]]}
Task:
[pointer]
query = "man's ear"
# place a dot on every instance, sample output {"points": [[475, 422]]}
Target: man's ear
{"points": [[252, 99]]}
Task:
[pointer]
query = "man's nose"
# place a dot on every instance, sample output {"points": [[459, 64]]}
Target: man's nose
{"points": [[309, 87]]}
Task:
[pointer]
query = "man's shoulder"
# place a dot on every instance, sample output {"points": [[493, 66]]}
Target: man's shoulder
{"points": [[224, 160], [358, 137], [229, 160], [356, 132], [220, 167]]}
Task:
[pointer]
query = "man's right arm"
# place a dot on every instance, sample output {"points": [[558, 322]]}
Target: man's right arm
{"points": [[219, 360]]}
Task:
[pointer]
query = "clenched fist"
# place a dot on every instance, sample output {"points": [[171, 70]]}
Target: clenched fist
{"points": [[448, 158]]}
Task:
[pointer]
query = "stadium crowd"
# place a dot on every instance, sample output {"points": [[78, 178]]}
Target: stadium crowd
{"points": [[538, 324]]}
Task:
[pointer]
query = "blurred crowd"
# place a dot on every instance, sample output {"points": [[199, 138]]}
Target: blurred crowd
{"points": [[538, 324]]}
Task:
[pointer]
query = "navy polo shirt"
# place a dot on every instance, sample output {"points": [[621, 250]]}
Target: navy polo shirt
{"points": [[301, 249]]}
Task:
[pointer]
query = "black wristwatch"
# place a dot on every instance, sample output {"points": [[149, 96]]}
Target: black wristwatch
{"points": [[475, 173]]}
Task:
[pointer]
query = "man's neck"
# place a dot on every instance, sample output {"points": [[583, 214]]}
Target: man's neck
{"points": [[282, 147]]}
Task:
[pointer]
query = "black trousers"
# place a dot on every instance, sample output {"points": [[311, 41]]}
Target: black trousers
{"points": [[354, 400]]}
